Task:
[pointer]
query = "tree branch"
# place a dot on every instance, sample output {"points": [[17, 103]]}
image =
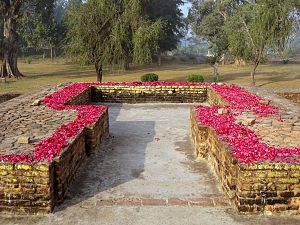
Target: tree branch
{"points": [[17, 5], [224, 15], [4, 4], [248, 32]]}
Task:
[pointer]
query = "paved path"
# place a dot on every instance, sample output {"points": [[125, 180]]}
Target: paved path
{"points": [[146, 174]]}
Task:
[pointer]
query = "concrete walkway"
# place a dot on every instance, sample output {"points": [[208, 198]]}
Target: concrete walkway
{"points": [[146, 174]]}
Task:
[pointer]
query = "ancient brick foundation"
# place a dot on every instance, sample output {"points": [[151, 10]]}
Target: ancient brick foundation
{"points": [[148, 94], [8, 96], [266, 188], [294, 97], [26, 188], [37, 187]]}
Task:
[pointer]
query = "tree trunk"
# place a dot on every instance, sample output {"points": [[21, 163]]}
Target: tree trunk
{"points": [[9, 66], [51, 53], [44, 54], [223, 60], [256, 63], [159, 57], [99, 72], [126, 63], [216, 72], [253, 83]]}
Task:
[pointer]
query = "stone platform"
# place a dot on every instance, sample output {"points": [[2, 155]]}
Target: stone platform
{"points": [[34, 186], [270, 186], [70, 123]]}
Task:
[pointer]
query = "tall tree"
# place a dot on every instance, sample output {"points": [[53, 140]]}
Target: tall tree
{"points": [[169, 12], [39, 33], [207, 19], [258, 25], [105, 32], [11, 11], [245, 28]]}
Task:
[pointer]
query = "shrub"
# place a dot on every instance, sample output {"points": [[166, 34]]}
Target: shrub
{"points": [[195, 78], [149, 77], [28, 60], [285, 61]]}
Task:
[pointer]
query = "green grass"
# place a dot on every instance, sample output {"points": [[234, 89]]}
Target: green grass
{"points": [[42, 74]]}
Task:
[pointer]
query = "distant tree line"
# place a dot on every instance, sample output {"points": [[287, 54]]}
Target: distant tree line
{"points": [[245, 29], [109, 32], [97, 32]]}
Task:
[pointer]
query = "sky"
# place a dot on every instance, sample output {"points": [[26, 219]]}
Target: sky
{"points": [[185, 8]]}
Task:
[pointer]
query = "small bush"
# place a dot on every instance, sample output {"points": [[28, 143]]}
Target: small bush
{"points": [[28, 60], [149, 77], [195, 78], [285, 61]]}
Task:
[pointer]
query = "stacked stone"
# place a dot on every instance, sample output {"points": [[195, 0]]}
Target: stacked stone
{"points": [[26, 188], [269, 189], [20, 120], [35, 188], [82, 98], [294, 97], [144, 94], [214, 98], [275, 130], [8, 96], [264, 188]]}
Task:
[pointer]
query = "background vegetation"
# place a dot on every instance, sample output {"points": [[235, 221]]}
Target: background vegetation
{"points": [[54, 41]]}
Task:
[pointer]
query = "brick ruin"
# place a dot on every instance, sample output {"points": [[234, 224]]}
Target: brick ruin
{"points": [[35, 188], [294, 97]]}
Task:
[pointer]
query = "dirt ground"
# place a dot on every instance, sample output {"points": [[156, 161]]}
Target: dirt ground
{"points": [[146, 173]]}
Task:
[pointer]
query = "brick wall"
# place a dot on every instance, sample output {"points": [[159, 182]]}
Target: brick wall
{"points": [[214, 98], [81, 99], [66, 165], [268, 188], [96, 132], [142, 94], [36, 188], [8, 96], [255, 189], [294, 97], [26, 188]]}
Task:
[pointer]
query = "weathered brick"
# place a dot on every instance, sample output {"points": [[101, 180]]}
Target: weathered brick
{"points": [[177, 202], [6, 166], [43, 168], [288, 180], [3, 173], [24, 167]]}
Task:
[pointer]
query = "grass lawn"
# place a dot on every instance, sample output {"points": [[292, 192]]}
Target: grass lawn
{"points": [[42, 74]]}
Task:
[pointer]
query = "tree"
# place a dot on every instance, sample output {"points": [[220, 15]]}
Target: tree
{"points": [[11, 12], [170, 14], [39, 33], [244, 28], [105, 32], [257, 25], [208, 19]]}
